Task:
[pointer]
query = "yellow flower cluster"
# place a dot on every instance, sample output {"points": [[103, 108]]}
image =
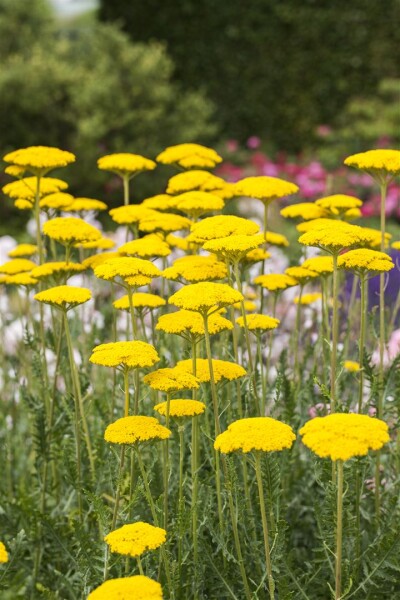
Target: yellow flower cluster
{"points": [[334, 238], [165, 222], [352, 366], [39, 159], [17, 265], [338, 204], [139, 300], [55, 269], [23, 250], [301, 274], [129, 215], [124, 267], [303, 210], [365, 260], [64, 296], [342, 436], [135, 429], [205, 297], [138, 587], [171, 380], [146, 247], [259, 323], [131, 355], [195, 180], [24, 279], [194, 268], [83, 204], [3, 553], [56, 201], [256, 255], [221, 226], [136, 538], [188, 323], [124, 163], [26, 188], [308, 298], [190, 156], [323, 265], [181, 408], [234, 247], [256, 433], [222, 369], [265, 188], [276, 239], [70, 230], [196, 202], [100, 244], [387, 161], [275, 282], [98, 259], [159, 202]]}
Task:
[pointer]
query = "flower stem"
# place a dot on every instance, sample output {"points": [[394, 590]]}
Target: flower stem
{"points": [[297, 336], [271, 583], [339, 531], [180, 503], [363, 309], [382, 305], [166, 464], [125, 179], [335, 327]]}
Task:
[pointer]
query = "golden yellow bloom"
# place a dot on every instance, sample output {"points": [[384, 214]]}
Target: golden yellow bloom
{"points": [[205, 297], [189, 156], [135, 539], [129, 215], [100, 244], [160, 202], [56, 201], [338, 204], [171, 380], [374, 241], [83, 204], [23, 250], [342, 436], [17, 265], [275, 282], [64, 296], [125, 164], [146, 247], [26, 188], [137, 281], [234, 247], [333, 238], [137, 587], [14, 171], [364, 260], [276, 239], [197, 202], [98, 259], [376, 161], [259, 323], [249, 306], [124, 267], [301, 274], [256, 433], [23, 204], [265, 188], [140, 300], [3, 553], [320, 264], [308, 298], [219, 226], [181, 408], [131, 355], [39, 159], [223, 369], [320, 224], [135, 429], [24, 279], [187, 323], [195, 268], [166, 222], [195, 180], [303, 210], [256, 255], [352, 366], [56, 270], [395, 245], [178, 242], [70, 230]]}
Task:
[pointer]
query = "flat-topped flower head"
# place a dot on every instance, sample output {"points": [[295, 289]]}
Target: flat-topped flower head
{"points": [[86, 204], [23, 250], [333, 239], [342, 436], [140, 300], [57, 270], [195, 268], [70, 230], [39, 159], [352, 366], [136, 538], [24, 279], [98, 259], [276, 239], [137, 587], [164, 222], [64, 296], [189, 156], [3, 553], [17, 265], [146, 247], [56, 201], [234, 247], [15, 171], [102, 243], [303, 210], [265, 188], [26, 188], [307, 299], [195, 180], [323, 222], [364, 261], [375, 238], [301, 274], [176, 241], [135, 429], [124, 267], [396, 245], [129, 355], [221, 226], [248, 305], [323, 265], [275, 282], [125, 164], [181, 408], [378, 163], [23, 204], [255, 256], [255, 434], [159, 202], [196, 203], [130, 215], [338, 204], [222, 369], [189, 324], [171, 380], [205, 297], [258, 324]]}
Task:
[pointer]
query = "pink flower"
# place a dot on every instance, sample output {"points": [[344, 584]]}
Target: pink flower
{"points": [[253, 142], [232, 145]]}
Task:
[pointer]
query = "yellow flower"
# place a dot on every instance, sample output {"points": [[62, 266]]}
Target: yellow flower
{"points": [[256, 433], [256, 255], [194, 268], [187, 324], [275, 282], [3, 553], [376, 161], [323, 265], [24, 279], [234, 247], [249, 306], [131, 355], [159, 202], [195, 180], [14, 171], [395, 245], [132, 430], [364, 260], [137, 587], [374, 241], [17, 265], [276, 239], [98, 259], [23, 250], [70, 230], [139, 300], [342, 436], [64, 296], [82, 204], [189, 156], [301, 274], [333, 239], [259, 323], [171, 380], [197, 202], [205, 297], [181, 408], [146, 247], [166, 222], [320, 224], [125, 164], [135, 539], [265, 188], [137, 281], [26, 188], [57, 270], [57, 201], [23, 204], [39, 159], [128, 215], [339, 204], [352, 366], [304, 210], [308, 298], [221, 226], [222, 369], [124, 267], [100, 244]]}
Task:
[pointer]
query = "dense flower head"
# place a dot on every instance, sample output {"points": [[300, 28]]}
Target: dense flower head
{"points": [[3, 553], [85, 204], [190, 156], [176, 241], [375, 238], [221, 226], [320, 223], [234, 247], [255, 433], [195, 268], [102, 243], [124, 163], [124, 267], [306, 299], [181, 408], [256, 255], [205, 297], [26, 188], [275, 282], [386, 161], [135, 538], [139, 300], [265, 188], [352, 366], [258, 323], [301, 274], [194, 180], [56, 201], [128, 215], [166, 222], [146, 247], [23, 204], [276, 239], [14, 170], [188, 323], [342, 436], [197, 202], [303, 210], [159, 202], [57, 269], [137, 587], [64, 296], [24, 279], [333, 238], [320, 264], [17, 265], [222, 369], [338, 204], [171, 380], [70, 230], [396, 245], [39, 159], [135, 429], [365, 260], [131, 355], [248, 305], [98, 259]]}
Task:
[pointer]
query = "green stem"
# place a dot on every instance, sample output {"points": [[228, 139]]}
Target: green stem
{"points": [[125, 179], [296, 337], [382, 306], [126, 391], [271, 583], [180, 503], [363, 308], [265, 245], [132, 313], [166, 464], [262, 377], [335, 326], [339, 531]]}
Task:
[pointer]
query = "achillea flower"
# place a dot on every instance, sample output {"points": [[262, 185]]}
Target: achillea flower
{"points": [[3, 553], [195, 268], [17, 265], [39, 159], [196, 203], [374, 241], [140, 300], [222, 369], [187, 323], [85, 204], [323, 265], [124, 164], [364, 260], [256, 433], [249, 306], [194, 180], [205, 297], [181, 408], [189, 156], [135, 429], [135, 539], [132, 214], [24, 279], [395, 245], [23, 204], [258, 323], [160, 202], [102, 243], [306, 299], [64, 296], [320, 224], [26, 188], [256, 255], [165, 222], [14, 171], [352, 366], [234, 247], [171, 380], [338, 204], [333, 239], [301, 274], [137, 281], [124, 267], [275, 282], [56, 270], [98, 259], [276, 239], [303, 210], [221, 226], [342, 436], [56, 201], [265, 188], [137, 587], [146, 247], [70, 230], [131, 355], [376, 161]]}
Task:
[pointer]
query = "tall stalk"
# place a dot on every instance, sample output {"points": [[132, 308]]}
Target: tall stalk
{"points": [[339, 531], [271, 583], [335, 327], [363, 307]]}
